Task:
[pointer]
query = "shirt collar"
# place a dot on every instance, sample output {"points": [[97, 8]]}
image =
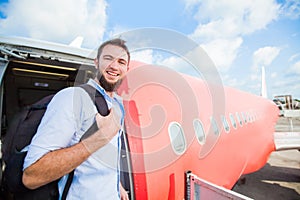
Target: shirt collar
{"points": [[100, 89], [108, 99]]}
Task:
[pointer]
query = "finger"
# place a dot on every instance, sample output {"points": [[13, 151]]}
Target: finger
{"points": [[98, 119], [110, 111]]}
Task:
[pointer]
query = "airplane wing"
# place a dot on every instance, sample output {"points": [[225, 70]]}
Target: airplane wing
{"points": [[287, 140], [287, 135]]}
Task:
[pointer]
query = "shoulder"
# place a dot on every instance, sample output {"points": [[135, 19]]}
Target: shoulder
{"points": [[69, 97], [70, 93]]}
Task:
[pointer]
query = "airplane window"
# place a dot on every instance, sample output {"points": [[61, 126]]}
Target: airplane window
{"points": [[250, 119], [244, 117], [214, 126], [198, 127], [254, 116], [225, 123], [177, 138], [232, 120], [239, 119]]}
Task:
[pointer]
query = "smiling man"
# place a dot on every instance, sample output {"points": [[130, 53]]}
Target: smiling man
{"points": [[57, 148], [112, 64]]}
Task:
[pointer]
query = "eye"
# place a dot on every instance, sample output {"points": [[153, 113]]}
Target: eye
{"points": [[123, 62], [107, 57]]}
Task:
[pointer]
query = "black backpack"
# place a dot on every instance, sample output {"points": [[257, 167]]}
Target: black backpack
{"points": [[19, 135]]}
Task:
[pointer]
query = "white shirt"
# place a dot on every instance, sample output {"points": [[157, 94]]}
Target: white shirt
{"points": [[70, 113]]}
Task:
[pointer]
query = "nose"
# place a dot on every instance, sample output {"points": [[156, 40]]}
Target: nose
{"points": [[114, 64]]}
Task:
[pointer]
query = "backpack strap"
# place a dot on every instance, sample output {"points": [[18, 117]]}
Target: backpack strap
{"points": [[97, 98], [102, 108]]}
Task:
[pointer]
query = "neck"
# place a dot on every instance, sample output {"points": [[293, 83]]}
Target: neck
{"points": [[108, 93]]}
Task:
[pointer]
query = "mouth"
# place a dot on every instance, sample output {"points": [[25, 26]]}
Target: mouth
{"points": [[111, 73]]}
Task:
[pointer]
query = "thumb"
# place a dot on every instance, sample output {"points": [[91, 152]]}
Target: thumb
{"points": [[101, 120], [99, 116], [98, 119]]}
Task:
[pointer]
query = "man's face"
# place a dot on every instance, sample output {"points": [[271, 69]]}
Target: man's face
{"points": [[112, 66]]}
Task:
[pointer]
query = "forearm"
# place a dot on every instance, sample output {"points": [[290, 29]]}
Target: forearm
{"points": [[54, 165]]}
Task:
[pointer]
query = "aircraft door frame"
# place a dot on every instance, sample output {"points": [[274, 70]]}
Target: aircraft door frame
{"points": [[3, 67], [126, 167]]}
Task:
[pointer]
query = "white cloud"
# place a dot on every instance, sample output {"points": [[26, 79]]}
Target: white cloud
{"points": [[286, 86], [274, 75], [178, 64], [296, 68], [293, 57], [224, 28], [255, 77], [145, 56], [223, 51], [232, 82], [118, 31], [190, 3], [150, 56], [291, 9], [223, 23], [264, 56], [55, 20], [235, 16]]}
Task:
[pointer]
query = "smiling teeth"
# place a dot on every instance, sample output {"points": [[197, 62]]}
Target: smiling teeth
{"points": [[112, 73]]}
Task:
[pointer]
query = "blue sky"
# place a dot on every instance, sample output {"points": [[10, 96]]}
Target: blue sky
{"points": [[239, 36]]}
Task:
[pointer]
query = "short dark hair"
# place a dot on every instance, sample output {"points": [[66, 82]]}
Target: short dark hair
{"points": [[117, 42]]}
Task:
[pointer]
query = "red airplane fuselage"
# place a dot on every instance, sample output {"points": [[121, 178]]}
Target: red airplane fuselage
{"points": [[177, 123]]}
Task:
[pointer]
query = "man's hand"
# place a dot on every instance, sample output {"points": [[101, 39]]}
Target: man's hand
{"points": [[123, 193], [108, 128], [110, 123]]}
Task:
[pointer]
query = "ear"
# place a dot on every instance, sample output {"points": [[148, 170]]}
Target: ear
{"points": [[96, 62]]}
